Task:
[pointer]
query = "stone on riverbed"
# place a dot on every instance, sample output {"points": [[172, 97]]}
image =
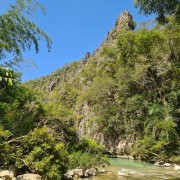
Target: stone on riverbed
{"points": [[6, 175], [90, 172], [74, 173], [122, 174], [162, 164], [176, 167], [29, 177], [167, 164]]}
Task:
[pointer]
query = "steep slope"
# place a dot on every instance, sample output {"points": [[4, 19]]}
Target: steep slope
{"points": [[125, 94], [65, 86]]}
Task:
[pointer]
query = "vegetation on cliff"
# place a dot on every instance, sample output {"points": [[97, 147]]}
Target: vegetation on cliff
{"points": [[34, 140], [130, 91], [127, 90], [31, 138]]}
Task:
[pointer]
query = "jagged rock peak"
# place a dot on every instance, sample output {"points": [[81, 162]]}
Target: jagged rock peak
{"points": [[125, 21]]}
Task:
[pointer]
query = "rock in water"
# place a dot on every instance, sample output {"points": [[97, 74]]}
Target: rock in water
{"points": [[91, 172], [167, 165], [74, 173], [122, 174], [29, 177], [176, 167]]}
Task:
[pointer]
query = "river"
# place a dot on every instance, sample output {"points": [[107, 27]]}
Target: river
{"points": [[122, 169]]}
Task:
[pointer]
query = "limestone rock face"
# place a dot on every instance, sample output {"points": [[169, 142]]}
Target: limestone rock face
{"points": [[52, 84], [29, 177], [125, 21], [86, 57]]}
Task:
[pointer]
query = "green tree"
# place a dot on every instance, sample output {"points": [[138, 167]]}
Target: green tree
{"points": [[19, 109], [6, 75], [19, 33], [160, 7], [44, 155]]}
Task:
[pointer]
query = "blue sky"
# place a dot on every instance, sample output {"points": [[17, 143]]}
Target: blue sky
{"points": [[75, 27]]}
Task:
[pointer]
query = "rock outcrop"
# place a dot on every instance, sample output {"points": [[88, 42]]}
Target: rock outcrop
{"points": [[124, 21], [56, 83], [52, 84], [86, 57], [87, 128]]}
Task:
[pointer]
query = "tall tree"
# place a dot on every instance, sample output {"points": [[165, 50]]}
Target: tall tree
{"points": [[160, 7], [19, 33]]}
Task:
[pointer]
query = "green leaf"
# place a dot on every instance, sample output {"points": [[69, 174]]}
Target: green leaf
{"points": [[10, 82]]}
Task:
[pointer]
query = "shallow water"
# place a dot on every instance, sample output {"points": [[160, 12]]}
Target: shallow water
{"points": [[130, 169]]}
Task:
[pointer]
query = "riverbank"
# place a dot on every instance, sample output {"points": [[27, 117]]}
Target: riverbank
{"points": [[134, 169], [126, 169]]}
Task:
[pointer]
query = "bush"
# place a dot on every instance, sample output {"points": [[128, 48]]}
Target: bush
{"points": [[86, 160], [44, 155]]}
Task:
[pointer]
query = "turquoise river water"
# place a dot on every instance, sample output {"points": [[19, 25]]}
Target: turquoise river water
{"points": [[122, 169]]}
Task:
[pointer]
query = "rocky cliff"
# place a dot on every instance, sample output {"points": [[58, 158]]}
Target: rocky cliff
{"points": [[91, 129], [67, 86]]}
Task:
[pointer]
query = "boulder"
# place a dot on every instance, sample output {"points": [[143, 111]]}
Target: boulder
{"points": [[159, 164], [176, 167], [162, 164], [74, 173], [6, 175], [29, 177], [167, 164], [90, 172]]}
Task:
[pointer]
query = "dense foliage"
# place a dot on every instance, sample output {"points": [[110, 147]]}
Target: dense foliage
{"points": [[130, 91], [33, 140], [18, 34], [161, 8]]}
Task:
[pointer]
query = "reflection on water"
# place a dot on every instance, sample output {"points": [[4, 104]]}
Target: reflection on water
{"points": [[122, 169]]}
